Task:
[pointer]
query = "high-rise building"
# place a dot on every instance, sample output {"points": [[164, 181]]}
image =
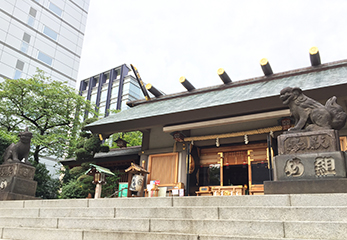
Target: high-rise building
{"points": [[110, 90], [44, 34]]}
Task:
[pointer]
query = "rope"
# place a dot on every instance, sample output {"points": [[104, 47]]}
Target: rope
{"points": [[236, 134]]}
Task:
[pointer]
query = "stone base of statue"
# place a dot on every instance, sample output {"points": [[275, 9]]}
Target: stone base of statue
{"points": [[16, 181], [308, 162]]}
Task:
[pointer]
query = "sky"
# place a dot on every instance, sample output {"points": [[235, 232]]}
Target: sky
{"points": [[165, 39]]}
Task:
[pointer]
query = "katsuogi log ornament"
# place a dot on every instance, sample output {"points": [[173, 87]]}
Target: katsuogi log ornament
{"points": [[310, 114]]}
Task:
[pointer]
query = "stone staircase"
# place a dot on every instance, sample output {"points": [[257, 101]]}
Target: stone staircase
{"points": [[316, 216]]}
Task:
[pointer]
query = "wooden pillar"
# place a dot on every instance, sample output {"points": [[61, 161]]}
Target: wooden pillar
{"points": [[98, 189], [130, 177]]}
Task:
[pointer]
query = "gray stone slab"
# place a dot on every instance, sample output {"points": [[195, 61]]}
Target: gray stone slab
{"points": [[310, 166], [332, 185], [334, 200], [16, 212], [107, 235], [105, 224], [285, 213], [55, 203], [316, 230], [11, 204], [78, 212], [131, 202], [42, 234], [28, 222], [220, 227], [216, 237], [308, 142], [168, 212], [245, 200]]}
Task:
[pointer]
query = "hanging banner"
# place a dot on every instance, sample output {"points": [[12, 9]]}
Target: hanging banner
{"points": [[139, 80]]}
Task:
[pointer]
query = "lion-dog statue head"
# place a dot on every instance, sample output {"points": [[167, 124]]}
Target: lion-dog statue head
{"points": [[310, 114]]}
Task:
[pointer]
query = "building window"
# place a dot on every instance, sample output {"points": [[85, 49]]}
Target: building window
{"points": [[103, 96], [25, 43], [20, 65], [50, 33], [19, 69], [32, 12], [31, 21], [55, 9], [45, 58], [32, 16], [115, 92], [26, 37], [17, 74], [24, 47]]}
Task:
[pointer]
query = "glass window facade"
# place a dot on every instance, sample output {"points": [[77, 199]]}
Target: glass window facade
{"points": [[31, 21], [24, 47], [17, 74], [45, 58], [50, 33], [55, 9]]}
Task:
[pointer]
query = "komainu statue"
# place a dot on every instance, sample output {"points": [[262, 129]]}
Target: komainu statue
{"points": [[310, 114], [16, 152]]}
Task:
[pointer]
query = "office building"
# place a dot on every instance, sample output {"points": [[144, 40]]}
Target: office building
{"points": [[110, 90], [44, 34]]}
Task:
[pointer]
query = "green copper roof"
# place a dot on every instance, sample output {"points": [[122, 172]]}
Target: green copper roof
{"points": [[262, 87], [100, 169]]}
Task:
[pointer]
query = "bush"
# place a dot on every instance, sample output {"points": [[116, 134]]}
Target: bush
{"points": [[76, 184], [47, 186], [104, 148]]}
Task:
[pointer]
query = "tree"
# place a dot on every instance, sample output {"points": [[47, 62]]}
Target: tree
{"points": [[133, 138], [88, 143], [47, 186], [5, 140], [111, 184], [78, 185], [51, 109]]}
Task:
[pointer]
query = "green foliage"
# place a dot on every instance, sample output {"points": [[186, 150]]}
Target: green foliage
{"points": [[76, 184], [47, 186], [78, 188], [5, 140], [47, 107], [104, 148], [111, 184], [92, 144], [88, 144], [133, 138]]}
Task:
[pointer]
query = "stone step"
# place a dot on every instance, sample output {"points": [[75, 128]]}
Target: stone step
{"points": [[260, 200], [261, 229], [63, 234], [239, 213], [302, 213]]}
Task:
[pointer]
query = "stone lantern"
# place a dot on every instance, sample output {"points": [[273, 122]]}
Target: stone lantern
{"points": [[99, 174]]}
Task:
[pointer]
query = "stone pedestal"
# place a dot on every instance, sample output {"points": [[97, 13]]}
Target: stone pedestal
{"points": [[16, 181], [308, 162]]}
